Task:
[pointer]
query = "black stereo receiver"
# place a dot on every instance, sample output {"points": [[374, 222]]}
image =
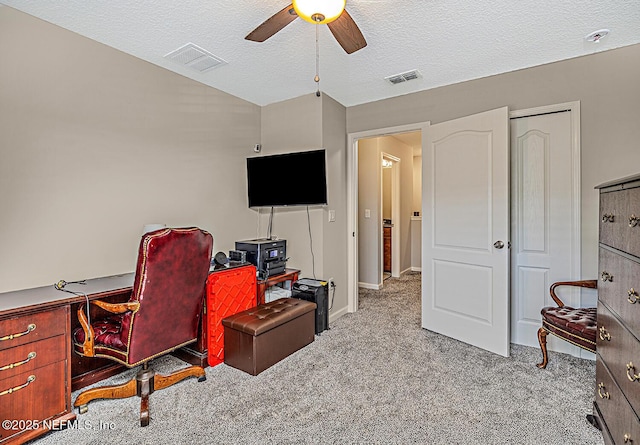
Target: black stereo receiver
{"points": [[269, 256]]}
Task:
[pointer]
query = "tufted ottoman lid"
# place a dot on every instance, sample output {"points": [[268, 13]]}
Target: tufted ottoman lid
{"points": [[263, 318], [576, 325]]}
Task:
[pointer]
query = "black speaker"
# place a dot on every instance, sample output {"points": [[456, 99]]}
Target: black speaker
{"points": [[317, 292]]}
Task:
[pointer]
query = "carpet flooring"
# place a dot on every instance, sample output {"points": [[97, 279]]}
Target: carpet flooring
{"points": [[376, 377]]}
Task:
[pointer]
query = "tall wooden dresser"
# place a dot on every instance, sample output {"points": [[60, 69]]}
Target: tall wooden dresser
{"points": [[617, 392]]}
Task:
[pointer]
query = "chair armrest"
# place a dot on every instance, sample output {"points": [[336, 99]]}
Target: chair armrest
{"points": [[89, 334], [591, 284], [117, 308]]}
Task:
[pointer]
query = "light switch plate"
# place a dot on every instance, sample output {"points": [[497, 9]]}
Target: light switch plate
{"points": [[367, 213], [332, 216]]}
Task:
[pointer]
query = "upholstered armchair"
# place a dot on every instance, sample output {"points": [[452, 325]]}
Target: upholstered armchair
{"points": [[161, 315], [575, 325]]}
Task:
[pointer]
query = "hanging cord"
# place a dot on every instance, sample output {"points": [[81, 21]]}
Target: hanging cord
{"points": [[313, 259], [270, 224], [317, 78], [60, 285]]}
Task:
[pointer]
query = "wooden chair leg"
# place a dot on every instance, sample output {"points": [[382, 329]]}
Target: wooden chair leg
{"points": [[124, 391], [164, 381], [542, 339]]}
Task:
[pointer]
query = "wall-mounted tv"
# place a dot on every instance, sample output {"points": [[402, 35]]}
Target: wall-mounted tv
{"points": [[288, 179]]}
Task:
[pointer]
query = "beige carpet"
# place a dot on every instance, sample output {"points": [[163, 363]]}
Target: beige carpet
{"points": [[376, 377]]}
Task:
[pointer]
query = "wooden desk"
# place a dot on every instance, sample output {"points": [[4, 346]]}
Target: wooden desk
{"points": [[289, 275], [35, 354]]}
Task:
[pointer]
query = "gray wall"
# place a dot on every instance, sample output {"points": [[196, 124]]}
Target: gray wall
{"points": [[95, 143], [607, 86]]}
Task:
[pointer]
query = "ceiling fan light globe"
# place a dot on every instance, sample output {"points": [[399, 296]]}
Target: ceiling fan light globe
{"points": [[311, 10]]}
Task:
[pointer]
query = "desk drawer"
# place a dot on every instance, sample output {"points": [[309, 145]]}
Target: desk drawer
{"points": [[620, 220], [619, 349], [32, 327], [30, 356], [40, 395], [620, 419], [619, 287]]}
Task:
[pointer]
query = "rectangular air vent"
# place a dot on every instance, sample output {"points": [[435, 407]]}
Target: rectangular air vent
{"points": [[192, 56], [403, 77]]}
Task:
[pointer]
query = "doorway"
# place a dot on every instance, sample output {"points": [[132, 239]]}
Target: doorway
{"points": [[353, 216], [391, 218]]}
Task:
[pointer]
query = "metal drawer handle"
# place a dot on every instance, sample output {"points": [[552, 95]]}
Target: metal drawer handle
{"points": [[604, 335], [606, 276], [31, 327], [627, 438], [633, 296], [633, 220], [30, 357], [631, 372], [30, 379], [602, 392], [608, 217]]}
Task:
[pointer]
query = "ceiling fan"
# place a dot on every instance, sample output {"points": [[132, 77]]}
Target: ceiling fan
{"points": [[318, 12]]}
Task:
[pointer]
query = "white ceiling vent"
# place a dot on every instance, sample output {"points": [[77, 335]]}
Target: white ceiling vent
{"points": [[194, 57], [403, 77]]}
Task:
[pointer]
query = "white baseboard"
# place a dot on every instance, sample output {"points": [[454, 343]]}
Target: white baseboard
{"points": [[369, 285], [335, 315], [416, 269]]}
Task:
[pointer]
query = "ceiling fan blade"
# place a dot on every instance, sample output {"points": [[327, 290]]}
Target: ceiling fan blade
{"points": [[273, 24], [347, 33]]}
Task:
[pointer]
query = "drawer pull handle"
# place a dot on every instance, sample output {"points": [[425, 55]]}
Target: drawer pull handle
{"points": [[31, 327], [604, 335], [633, 296], [30, 357], [608, 217], [627, 438], [30, 379], [606, 276], [633, 220], [631, 372], [602, 392]]}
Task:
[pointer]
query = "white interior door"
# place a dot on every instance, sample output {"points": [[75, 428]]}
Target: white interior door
{"points": [[545, 216], [465, 264]]}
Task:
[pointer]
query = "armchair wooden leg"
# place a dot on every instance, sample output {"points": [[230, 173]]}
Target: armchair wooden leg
{"points": [[164, 381], [107, 392], [542, 339]]}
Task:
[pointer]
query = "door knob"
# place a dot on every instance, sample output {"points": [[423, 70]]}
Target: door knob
{"points": [[498, 244]]}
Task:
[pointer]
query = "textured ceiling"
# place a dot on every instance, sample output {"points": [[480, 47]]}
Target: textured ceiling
{"points": [[447, 41]]}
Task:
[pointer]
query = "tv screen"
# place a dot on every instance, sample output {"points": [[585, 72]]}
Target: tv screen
{"points": [[287, 179]]}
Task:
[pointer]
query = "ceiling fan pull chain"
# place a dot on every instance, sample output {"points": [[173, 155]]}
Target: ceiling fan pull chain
{"points": [[317, 78]]}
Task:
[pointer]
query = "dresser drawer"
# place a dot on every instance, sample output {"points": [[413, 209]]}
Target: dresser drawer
{"points": [[38, 395], [620, 220], [620, 419], [619, 348], [32, 327], [30, 356], [619, 287]]}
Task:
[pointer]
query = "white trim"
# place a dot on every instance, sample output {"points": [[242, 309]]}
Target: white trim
{"points": [[352, 202], [369, 286], [416, 269]]}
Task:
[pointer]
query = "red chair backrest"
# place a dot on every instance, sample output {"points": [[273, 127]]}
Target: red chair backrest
{"points": [[173, 265]]}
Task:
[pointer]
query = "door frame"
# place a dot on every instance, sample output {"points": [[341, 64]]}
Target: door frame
{"points": [[396, 217], [352, 200]]}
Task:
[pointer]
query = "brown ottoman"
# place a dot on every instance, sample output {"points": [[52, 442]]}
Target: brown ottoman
{"points": [[260, 337]]}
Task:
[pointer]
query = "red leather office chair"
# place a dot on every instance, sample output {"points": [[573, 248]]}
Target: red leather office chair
{"points": [[575, 325], [161, 315]]}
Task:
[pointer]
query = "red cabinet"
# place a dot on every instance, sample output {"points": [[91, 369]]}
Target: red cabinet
{"points": [[229, 291]]}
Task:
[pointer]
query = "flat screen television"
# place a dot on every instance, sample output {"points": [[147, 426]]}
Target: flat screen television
{"points": [[288, 179]]}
